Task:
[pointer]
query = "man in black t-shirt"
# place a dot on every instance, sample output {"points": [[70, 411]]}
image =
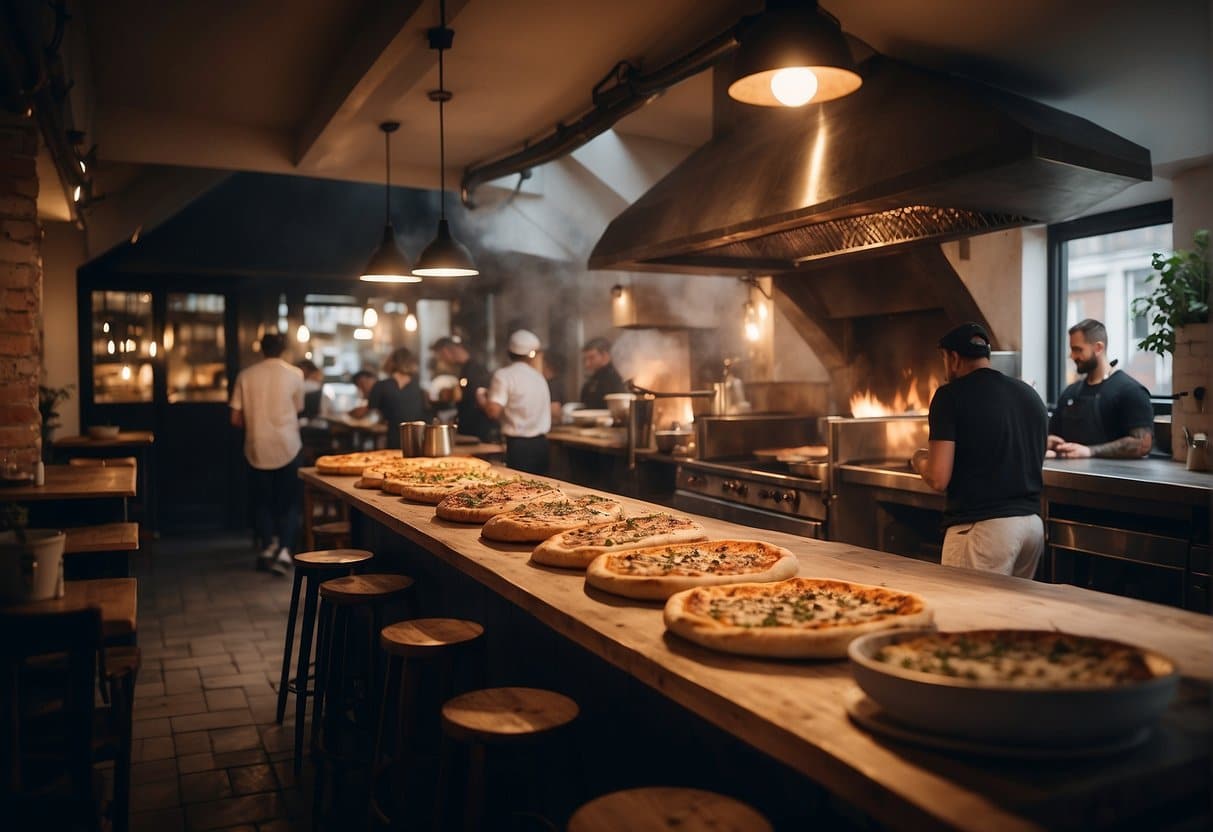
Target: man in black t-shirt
{"points": [[604, 378], [473, 375], [1107, 414], [987, 444]]}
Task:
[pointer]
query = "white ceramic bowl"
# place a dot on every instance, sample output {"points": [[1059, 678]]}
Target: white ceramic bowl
{"points": [[1006, 714], [587, 417], [618, 404]]}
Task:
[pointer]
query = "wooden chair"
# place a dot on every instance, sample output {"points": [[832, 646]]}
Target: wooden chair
{"points": [[51, 732], [103, 462]]}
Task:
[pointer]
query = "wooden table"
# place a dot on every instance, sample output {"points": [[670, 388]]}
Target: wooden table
{"points": [[795, 711], [124, 439], [68, 482], [140, 444], [116, 597]]}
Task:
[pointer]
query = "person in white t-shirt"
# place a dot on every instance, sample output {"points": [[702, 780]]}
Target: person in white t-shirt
{"points": [[518, 397], [266, 402]]}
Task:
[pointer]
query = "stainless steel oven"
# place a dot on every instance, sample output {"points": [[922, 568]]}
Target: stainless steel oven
{"points": [[744, 493]]}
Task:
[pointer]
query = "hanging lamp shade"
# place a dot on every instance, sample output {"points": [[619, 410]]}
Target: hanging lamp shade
{"points": [[792, 55], [388, 263], [445, 256]]}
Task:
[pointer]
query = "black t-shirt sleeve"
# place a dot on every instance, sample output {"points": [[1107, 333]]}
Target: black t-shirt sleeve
{"points": [[374, 399], [1133, 408], [942, 418]]}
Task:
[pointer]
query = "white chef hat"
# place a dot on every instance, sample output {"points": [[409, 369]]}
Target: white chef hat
{"points": [[524, 342]]}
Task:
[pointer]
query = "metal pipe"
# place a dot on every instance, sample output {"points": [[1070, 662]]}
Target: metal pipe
{"points": [[630, 92]]}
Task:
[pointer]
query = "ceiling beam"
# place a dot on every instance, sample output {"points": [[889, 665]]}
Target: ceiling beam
{"points": [[389, 52]]}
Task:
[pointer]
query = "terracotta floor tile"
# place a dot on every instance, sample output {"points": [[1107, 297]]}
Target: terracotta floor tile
{"points": [[233, 811], [235, 739], [214, 719], [194, 742], [161, 794], [252, 779], [191, 763], [153, 771], [152, 748], [162, 820], [223, 699], [142, 728], [244, 757], [204, 786]]}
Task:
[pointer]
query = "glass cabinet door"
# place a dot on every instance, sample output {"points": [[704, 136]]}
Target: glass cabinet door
{"points": [[195, 348], [123, 347]]}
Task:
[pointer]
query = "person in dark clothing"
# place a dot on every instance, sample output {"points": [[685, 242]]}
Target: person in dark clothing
{"points": [[470, 419], [1107, 413], [987, 445], [553, 370], [398, 398], [603, 377], [313, 387]]}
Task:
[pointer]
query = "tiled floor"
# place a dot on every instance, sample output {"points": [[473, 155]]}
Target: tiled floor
{"points": [[207, 752]]}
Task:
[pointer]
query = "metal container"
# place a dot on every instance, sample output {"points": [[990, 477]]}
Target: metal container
{"points": [[412, 438], [439, 440], [640, 425]]}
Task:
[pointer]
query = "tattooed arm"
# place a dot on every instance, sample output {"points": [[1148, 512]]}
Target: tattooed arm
{"points": [[1137, 444]]}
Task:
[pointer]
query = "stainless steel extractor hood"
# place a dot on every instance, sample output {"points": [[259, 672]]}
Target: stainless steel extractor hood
{"points": [[913, 156]]}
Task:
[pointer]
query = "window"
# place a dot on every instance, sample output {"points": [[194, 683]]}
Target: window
{"points": [[1097, 266], [123, 348], [194, 345]]}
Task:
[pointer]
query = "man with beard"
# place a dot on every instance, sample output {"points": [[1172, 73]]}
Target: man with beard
{"points": [[1107, 413], [987, 444]]}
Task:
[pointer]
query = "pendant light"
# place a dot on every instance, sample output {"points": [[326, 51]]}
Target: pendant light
{"points": [[445, 256], [790, 55], [388, 264]]}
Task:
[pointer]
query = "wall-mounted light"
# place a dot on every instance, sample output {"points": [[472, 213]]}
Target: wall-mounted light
{"points": [[410, 322], [750, 323], [370, 317], [126, 372], [790, 55], [105, 327], [109, 347], [303, 334]]}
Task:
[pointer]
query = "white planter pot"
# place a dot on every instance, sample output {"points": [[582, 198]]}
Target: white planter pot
{"points": [[31, 571], [1189, 370]]}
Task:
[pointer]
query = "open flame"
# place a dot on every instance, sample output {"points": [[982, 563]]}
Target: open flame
{"points": [[907, 400]]}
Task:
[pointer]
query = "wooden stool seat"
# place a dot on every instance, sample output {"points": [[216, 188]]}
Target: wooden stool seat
{"points": [[360, 589], [422, 637], [505, 714], [337, 527], [332, 558], [659, 809]]}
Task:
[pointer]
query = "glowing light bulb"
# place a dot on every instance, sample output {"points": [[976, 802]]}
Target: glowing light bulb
{"points": [[83, 167], [762, 311], [751, 331], [370, 317], [126, 372], [751, 326], [76, 194], [105, 327], [110, 347], [303, 334], [794, 86], [151, 349], [363, 334], [410, 323], [130, 345]]}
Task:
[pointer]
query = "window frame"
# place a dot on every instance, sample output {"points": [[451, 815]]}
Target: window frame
{"points": [[1139, 216]]}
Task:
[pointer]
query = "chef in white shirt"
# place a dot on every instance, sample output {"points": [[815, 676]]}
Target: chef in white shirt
{"points": [[518, 398]]}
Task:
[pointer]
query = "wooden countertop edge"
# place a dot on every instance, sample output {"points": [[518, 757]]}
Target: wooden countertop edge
{"points": [[861, 786]]}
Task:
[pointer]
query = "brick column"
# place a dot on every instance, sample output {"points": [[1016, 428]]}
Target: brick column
{"points": [[20, 291]]}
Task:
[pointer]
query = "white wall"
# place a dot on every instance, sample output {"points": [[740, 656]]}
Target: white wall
{"points": [[63, 251]]}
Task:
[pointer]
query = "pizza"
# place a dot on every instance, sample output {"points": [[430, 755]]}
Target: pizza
{"points": [[479, 503], [351, 465], [538, 520], [576, 548], [1023, 659], [433, 486], [657, 572], [378, 475], [800, 618]]}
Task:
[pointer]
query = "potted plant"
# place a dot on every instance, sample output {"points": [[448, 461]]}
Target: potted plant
{"points": [[31, 560], [48, 402], [1177, 310]]}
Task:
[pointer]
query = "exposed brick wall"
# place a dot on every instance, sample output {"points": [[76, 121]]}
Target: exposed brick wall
{"points": [[20, 290]]}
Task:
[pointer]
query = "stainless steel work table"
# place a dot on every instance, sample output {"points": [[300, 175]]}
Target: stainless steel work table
{"points": [[795, 711]]}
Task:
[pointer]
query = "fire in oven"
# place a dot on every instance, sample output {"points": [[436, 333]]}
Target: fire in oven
{"points": [[746, 494]]}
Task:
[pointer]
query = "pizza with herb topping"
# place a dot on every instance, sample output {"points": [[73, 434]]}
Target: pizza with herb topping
{"points": [[433, 486], [577, 548], [378, 475], [800, 618], [538, 520], [1024, 659], [351, 465], [482, 502], [657, 572]]}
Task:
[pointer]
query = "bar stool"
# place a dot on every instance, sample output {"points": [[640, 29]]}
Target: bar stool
{"points": [[434, 641], [315, 567], [662, 808], [340, 598], [512, 716]]}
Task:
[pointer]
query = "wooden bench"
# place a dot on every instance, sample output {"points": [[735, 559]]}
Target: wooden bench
{"points": [[108, 544]]}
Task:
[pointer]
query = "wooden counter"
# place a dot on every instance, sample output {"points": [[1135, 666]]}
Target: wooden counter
{"points": [[795, 711], [116, 597], [126, 438], [69, 482]]}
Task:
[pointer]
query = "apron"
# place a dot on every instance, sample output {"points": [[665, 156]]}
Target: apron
{"points": [[1081, 421]]}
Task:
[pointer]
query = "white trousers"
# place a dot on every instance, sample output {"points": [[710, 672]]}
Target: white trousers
{"points": [[1007, 545]]}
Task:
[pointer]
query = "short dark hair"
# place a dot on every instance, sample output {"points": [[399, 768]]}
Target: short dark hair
{"points": [[1091, 329], [401, 361], [600, 344], [361, 374], [554, 360], [273, 344]]}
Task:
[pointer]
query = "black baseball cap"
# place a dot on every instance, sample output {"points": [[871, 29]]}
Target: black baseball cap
{"points": [[970, 340]]}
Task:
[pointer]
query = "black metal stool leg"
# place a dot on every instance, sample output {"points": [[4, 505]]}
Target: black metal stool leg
{"points": [[290, 643], [305, 655]]}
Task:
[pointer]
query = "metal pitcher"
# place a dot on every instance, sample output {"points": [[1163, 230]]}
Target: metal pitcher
{"points": [[640, 425], [412, 438], [439, 440]]}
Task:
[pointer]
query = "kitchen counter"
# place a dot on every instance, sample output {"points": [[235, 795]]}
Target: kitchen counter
{"points": [[795, 713], [604, 440]]}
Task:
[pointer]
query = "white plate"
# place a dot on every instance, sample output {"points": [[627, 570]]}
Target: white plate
{"points": [[590, 418]]}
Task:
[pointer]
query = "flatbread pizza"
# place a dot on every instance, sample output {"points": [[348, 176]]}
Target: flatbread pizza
{"points": [[432, 487], [480, 503], [657, 572], [538, 520], [576, 548], [800, 618], [351, 465], [377, 476]]}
